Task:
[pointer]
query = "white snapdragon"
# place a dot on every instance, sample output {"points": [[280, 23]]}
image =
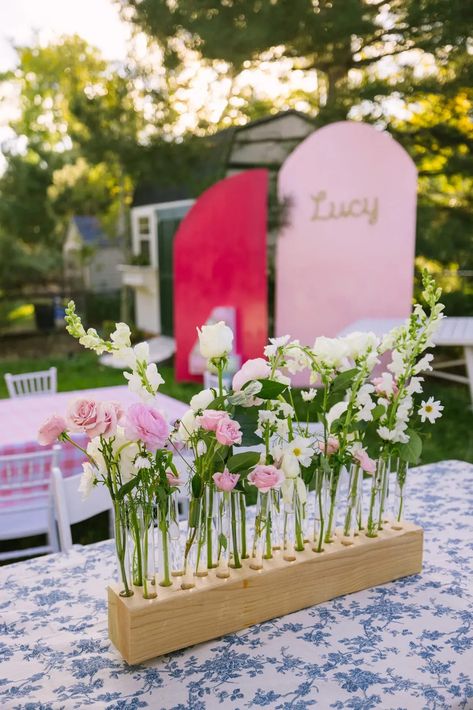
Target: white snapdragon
{"points": [[361, 345], [365, 403], [121, 336], [397, 364], [308, 395], [424, 364], [215, 340], [415, 385], [92, 341], [201, 448], [275, 344]]}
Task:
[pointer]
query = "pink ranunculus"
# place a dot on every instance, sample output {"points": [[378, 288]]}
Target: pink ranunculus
{"points": [[332, 446], [52, 428], [86, 416], [226, 481], [228, 432], [256, 369], [174, 480], [266, 478], [367, 464], [210, 418], [147, 424]]}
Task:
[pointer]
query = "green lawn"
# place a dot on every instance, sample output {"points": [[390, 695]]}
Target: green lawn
{"points": [[451, 437]]}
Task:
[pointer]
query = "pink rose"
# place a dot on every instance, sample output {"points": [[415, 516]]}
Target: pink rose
{"points": [[87, 417], [147, 424], [367, 464], [266, 478], [226, 481], [256, 369], [210, 418], [108, 414], [174, 480], [228, 432], [52, 428], [332, 446]]}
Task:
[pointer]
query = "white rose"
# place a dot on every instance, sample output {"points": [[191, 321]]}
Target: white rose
{"points": [[202, 400], [215, 340]]}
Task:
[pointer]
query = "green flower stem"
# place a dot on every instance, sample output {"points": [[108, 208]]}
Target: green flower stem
{"points": [[138, 567], [299, 515], [352, 502], [120, 544], [322, 515], [236, 554], [163, 526], [244, 552], [209, 503]]}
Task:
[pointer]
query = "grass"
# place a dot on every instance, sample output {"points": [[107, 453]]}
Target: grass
{"points": [[450, 438]]}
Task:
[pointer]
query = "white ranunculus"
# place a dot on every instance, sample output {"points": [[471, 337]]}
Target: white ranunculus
{"points": [[359, 344], [301, 449], [187, 426], [87, 480], [121, 336], [215, 340], [330, 351], [202, 400]]}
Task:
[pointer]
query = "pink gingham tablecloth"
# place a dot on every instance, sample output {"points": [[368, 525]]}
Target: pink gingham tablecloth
{"points": [[21, 418]]}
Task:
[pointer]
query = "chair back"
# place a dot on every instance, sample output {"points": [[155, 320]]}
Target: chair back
{"points": [[32, 383], [25, 500], [70, 507]]}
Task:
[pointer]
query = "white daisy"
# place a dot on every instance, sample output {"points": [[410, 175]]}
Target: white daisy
{"points": [[431, 410]]}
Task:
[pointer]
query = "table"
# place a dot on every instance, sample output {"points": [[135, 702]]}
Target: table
{"points": [[452, 332], [404, 645], [20, 418]]}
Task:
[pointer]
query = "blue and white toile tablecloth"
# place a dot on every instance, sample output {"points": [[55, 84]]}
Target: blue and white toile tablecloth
{"points": [[408, 644]]}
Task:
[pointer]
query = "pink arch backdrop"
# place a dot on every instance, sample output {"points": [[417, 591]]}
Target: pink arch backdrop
{"points": [[348, 249], [220, 260]]}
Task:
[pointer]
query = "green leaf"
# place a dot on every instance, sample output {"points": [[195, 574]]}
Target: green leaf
{"points": [[243, 461], [343, 380], [247, 418], [128, 487], [411, 451], [270, 389], [196, 486], [222, 541]]}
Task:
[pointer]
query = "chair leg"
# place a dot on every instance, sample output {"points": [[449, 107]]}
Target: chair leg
{"points": [[469, 370]]}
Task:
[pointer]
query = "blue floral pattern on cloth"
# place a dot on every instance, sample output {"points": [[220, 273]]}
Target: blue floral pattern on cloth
{"points": [[404, 645]]}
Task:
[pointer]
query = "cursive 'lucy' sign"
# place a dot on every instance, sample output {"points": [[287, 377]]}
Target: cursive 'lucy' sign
{"points": [[325, 209]]}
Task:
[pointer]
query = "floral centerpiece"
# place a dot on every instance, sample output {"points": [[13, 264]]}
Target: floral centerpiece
{"points": [[247, 442]]}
